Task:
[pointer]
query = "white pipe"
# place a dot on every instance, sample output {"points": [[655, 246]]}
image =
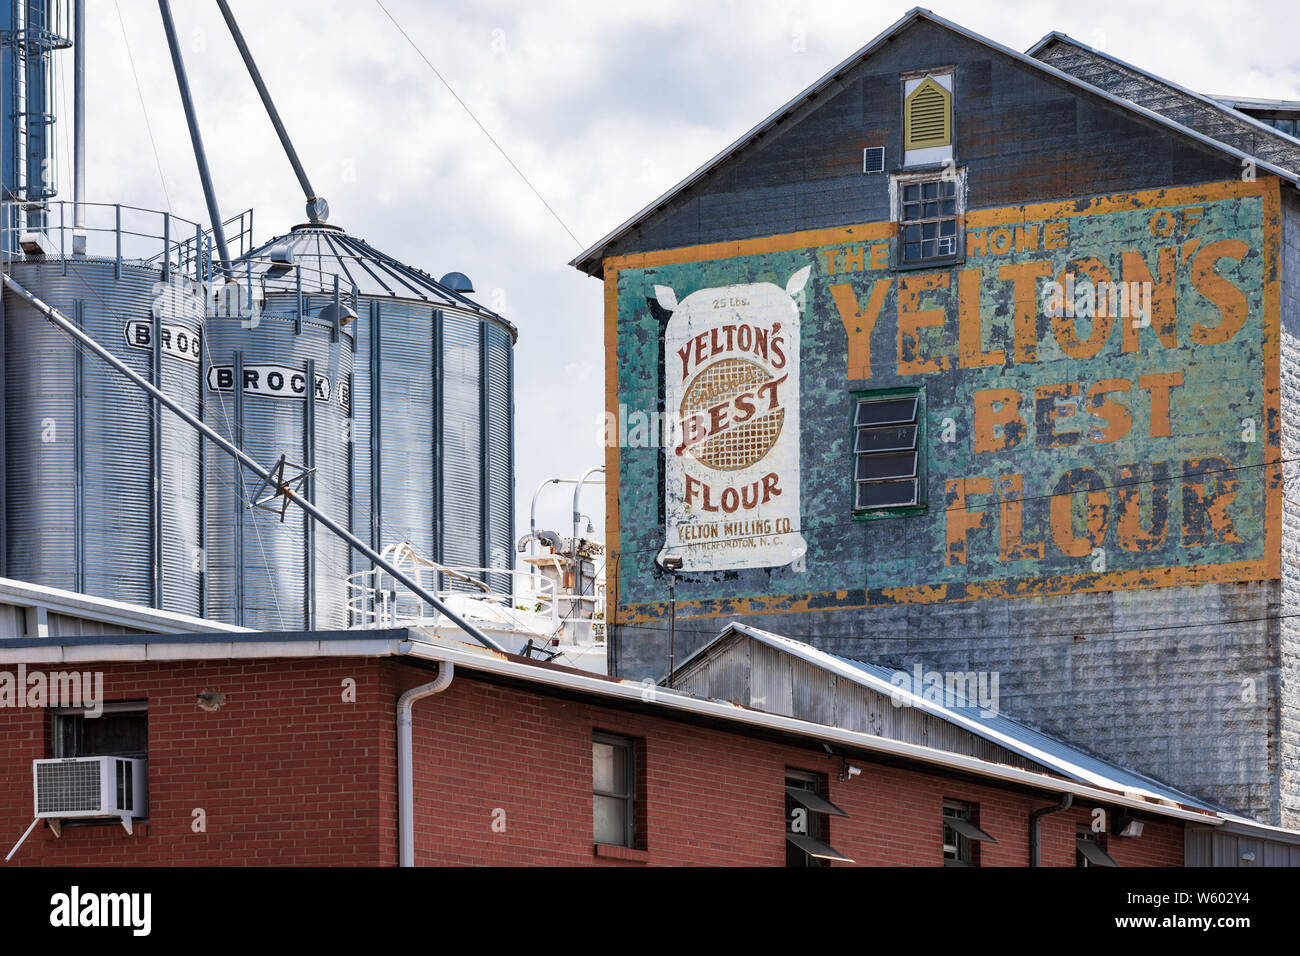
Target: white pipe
{"points": [[577, 491], [22, 839], [405, 775], [79, 127]]}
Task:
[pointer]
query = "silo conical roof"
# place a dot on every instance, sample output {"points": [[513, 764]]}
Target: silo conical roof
{"points": [[322, 251]]}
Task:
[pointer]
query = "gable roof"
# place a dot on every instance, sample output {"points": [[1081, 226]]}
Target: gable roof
{"points": [[591, 262], [1047, 751], [1213, 116]]}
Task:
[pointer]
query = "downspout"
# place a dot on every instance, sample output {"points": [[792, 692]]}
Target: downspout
{"points": [[405, 775], [1035, 838]]}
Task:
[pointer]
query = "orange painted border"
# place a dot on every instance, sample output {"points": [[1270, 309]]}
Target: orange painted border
{"points": [[968, 591], [612, 478], [1267, 187]]}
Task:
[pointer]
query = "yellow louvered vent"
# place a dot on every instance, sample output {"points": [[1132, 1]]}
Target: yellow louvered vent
{"points": [[927, 116]]}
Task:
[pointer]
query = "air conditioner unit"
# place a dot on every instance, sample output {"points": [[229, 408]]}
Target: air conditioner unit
{"points": [[87, 787]]}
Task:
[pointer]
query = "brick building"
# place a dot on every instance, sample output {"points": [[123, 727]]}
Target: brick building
{"points": [[980, 360], [281, 749]]}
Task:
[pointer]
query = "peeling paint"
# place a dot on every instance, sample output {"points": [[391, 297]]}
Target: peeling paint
{"points": [[1073, 434]]}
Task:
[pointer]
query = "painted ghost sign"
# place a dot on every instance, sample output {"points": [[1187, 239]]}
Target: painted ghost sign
{"points": [[731, 468], [1099, 405]]}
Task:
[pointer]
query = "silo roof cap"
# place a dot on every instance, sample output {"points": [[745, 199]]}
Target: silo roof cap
{"points": [[322, 251]]}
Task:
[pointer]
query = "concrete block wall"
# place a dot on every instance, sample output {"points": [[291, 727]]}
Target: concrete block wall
{"points": [[1288, 656], [1150, 679]]}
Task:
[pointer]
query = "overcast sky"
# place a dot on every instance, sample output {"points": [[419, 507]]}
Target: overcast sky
{"points": [[604, 106]]}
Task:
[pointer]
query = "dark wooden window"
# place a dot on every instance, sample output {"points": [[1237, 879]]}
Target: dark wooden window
{"points": [[927, 223], [806, 824], [613, 783], [122, 730]]}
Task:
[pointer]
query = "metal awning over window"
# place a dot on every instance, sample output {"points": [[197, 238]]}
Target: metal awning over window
{"points": [[816, 848], [813, 802], [1094, 853], [967, 829]]}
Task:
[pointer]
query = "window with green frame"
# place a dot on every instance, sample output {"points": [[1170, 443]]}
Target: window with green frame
{"points": [[887, 462]]}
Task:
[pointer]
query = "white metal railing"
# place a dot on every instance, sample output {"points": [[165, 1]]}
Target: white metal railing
{"points": [[120, 232], [176, 246], [376, 599]]}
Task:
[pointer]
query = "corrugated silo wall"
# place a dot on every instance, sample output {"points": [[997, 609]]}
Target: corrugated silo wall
{"points": [[434, 442], [263, 571], [83, 443], [500, 451], [462, 440]]}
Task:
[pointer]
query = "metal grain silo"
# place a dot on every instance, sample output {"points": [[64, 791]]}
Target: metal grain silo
{"points": [[267, 569], [433, 459], [83, 445]]}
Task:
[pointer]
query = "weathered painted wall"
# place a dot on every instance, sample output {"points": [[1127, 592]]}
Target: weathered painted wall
{"points": [[1107, 611], [1062, 454], [1151, 679]]}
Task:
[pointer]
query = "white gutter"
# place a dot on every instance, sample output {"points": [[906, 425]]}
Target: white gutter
{"points": [[491, 663], [55, 652], [405, 776]]}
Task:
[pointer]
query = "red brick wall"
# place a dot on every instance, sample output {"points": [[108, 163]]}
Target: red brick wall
{"points": [[288, 773], [711, 796]]}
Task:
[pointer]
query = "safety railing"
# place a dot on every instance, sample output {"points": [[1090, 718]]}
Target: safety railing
{"points": [[376, 599], [182, 250], [125, 234]]}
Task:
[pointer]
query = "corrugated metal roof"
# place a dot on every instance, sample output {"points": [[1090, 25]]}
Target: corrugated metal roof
{"points": [[1056, 755], [1228, 107], [322, 251], [1251, 103]]}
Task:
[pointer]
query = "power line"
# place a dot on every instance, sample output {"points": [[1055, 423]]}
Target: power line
{"points": [[490, 137], [143, 108]]}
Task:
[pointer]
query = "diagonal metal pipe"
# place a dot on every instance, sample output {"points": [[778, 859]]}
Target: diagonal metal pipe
{"points": [[317, 208], [62, 322], [196, 137]]}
